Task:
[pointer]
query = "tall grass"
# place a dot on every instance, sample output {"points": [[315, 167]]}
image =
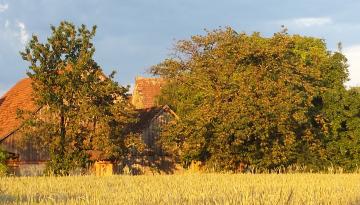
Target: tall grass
{"points": [[184, 189]]}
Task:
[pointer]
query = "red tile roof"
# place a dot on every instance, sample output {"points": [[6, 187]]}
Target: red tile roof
{"points": [[145, 92], [18, 97], [21, 97]]}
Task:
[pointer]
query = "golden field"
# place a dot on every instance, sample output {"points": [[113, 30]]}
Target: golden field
{"points": [[184, 189]]}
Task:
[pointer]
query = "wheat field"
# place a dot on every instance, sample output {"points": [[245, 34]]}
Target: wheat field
{"points": [[184, 189]]}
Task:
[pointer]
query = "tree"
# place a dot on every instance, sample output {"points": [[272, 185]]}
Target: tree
{"points": [[342, 110], [248, 99], [82, 110]]}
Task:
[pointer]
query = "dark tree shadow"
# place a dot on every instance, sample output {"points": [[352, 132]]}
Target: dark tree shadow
{"points": [[147, 164]]}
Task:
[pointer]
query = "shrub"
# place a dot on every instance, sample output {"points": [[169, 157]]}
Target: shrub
{"points": [[3, 167]]}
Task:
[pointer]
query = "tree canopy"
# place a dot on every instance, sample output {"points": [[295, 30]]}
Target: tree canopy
{"points": [[260, 101], [264, 102], [82, 110]]}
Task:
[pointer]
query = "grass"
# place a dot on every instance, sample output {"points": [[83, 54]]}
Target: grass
{"points": [[184, 189]]}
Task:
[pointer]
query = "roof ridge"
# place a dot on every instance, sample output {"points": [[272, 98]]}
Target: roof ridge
{"points": [[17, 83], [148, 78]]}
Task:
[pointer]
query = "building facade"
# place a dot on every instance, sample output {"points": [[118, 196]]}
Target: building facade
{"points": [[25, 159]]}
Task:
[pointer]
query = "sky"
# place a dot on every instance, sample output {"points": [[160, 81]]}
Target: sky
{"points": [[133, 35]]}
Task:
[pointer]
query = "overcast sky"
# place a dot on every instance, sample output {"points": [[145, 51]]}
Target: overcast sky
{"points": [[133, 35]]}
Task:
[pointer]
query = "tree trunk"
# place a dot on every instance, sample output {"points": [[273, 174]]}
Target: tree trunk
{"points": [[62, 133]]}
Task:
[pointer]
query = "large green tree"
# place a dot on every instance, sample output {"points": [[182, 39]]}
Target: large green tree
{"points": [[342, 110], [248, 99], [82, 110]]}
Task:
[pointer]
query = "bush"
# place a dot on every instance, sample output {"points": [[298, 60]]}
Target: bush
{"points": [[3, 167]]}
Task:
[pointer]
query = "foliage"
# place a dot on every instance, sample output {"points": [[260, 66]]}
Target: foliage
{"points": [[248, 99], [184, 189], [3, 167], [82, 111], [342, 109]]}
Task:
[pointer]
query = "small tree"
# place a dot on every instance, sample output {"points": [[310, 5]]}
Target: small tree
{"points": [[82, 110]]}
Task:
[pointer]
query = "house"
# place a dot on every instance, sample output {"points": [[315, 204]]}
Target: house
{"points": [[24, 159], [152, 116], [27, 160]]}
